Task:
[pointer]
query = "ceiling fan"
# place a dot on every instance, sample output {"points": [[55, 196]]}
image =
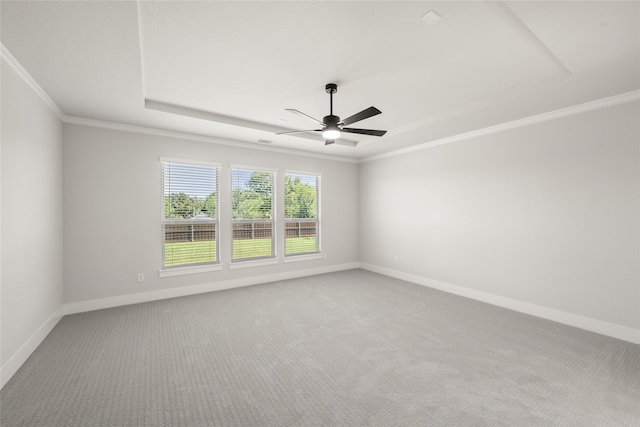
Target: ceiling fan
{"points": [[332, 126]]}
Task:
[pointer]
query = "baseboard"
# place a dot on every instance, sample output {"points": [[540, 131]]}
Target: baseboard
{"points": [[98, 304], [582, 322], [17, 360]]}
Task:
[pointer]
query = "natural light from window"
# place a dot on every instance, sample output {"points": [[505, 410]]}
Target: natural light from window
{"points": [[252, 213], [190, 213]]}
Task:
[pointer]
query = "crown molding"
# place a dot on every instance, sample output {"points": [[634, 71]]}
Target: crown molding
{"points": [[539, 118], [24, 75]]}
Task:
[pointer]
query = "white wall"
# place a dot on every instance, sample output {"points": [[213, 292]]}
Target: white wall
{"points": [[31, 221], [112, 207], [547, 214]]}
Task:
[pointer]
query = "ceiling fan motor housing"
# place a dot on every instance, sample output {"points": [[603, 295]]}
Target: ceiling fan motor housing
{"points": [[331, 120]]}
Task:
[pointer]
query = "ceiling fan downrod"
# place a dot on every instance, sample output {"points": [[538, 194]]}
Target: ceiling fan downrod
{"points": [[331, 88], [331, 129]]}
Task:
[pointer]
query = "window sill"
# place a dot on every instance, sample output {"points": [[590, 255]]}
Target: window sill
{"points": [[304, 257], [256, 263], [181, 271]]}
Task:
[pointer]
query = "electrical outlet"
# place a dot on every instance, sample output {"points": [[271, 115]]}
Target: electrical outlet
{"points": [[140, 277], [395, 259]]}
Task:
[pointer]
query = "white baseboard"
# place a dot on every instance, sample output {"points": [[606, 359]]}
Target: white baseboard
{"points": [[601, 327], [17, 360], [98, 304]]}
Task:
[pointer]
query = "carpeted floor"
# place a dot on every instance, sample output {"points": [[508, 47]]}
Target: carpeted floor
{"points": [[351, 348]]}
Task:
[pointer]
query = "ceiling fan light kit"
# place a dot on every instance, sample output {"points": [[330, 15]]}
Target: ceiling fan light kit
{"points": [[332, 126], [331, 132]]}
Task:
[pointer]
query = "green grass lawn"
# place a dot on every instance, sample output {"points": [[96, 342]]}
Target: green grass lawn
{"points": [[177, 253], [294, 245], [251, 248]]}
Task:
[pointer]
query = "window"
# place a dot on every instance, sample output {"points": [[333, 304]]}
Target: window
{"points": [[252, 213], [301, 213], [190, 213]]}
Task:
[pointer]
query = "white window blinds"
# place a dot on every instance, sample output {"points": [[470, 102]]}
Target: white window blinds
{"points": [[252, 213], [190, 213], [301, 213]]}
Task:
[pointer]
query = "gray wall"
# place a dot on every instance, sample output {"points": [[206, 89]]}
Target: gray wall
{"points": [[546, 214], [31, 224], [112, 208]]}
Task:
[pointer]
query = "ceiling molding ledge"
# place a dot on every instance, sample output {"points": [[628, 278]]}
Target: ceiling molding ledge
{"points": [[539, 118], [233, 121], [24, 75], [200, 138]]}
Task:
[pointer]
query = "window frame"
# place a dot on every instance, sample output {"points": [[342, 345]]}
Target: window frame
{"points": [[317, 253], [262, 259], [194, 267]]}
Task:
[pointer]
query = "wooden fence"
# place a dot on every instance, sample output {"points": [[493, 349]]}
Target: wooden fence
{"points": [[300, 229], [252, 230], [241, 231], [189, 232]]}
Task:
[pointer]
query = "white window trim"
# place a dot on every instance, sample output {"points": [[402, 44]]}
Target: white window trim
{"points": [[255, 168], [189, 161], [303, 257], [181, 271], [252, 262], [299, 172]]}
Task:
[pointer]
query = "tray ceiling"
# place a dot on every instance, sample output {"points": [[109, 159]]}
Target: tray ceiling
{"points": [[229, 69]]}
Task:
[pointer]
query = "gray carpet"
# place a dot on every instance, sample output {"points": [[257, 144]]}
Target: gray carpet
{"points": [[352, 348]]}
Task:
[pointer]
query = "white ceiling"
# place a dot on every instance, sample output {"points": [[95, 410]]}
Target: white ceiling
{"points": [[237, 65]]}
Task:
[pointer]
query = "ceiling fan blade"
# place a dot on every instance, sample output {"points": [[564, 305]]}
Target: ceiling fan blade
{"points": [[300, 113], [329, 141], [365, 131], [364, 114], [299, 131]]}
